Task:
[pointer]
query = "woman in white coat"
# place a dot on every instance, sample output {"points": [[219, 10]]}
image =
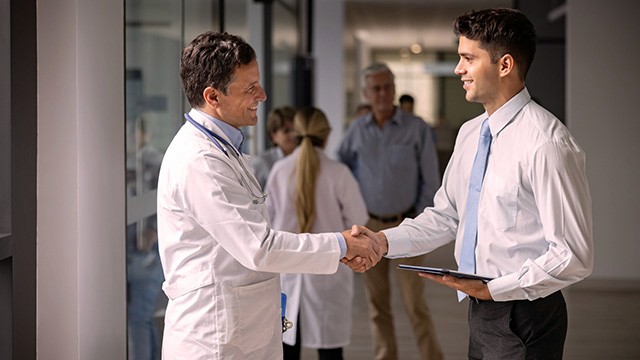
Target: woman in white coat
{"points": [[310, 193]]}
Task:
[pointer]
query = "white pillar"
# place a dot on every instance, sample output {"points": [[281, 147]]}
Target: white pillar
{"points": [[328, 51], [81, 280]]}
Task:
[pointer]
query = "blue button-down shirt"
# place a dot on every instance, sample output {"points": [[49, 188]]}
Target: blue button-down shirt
{"points": [[396, 166]]}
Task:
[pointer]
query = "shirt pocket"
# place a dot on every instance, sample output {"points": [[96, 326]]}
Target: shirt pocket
{"points": [[251, 312], [401, 157], [499, 204]]}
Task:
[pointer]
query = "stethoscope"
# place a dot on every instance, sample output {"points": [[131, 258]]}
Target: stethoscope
{"points": [[224, 146]]}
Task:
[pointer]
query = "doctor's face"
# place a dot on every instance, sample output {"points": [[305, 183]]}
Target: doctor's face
{"points": [[239, 107]]}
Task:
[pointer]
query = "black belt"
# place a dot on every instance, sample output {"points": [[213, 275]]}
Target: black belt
{"points": [[392, 218]]}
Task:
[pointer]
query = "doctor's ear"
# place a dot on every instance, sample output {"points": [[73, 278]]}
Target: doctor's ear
{"points": [[211, 96]]}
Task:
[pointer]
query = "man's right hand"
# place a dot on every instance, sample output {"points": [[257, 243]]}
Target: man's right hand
{"points": [[365, 248]]}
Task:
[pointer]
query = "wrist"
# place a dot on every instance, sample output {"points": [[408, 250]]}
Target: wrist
{"points": [[383, 242]]}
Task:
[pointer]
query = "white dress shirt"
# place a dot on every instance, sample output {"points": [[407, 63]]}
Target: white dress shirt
{"points": [[534, 212]]}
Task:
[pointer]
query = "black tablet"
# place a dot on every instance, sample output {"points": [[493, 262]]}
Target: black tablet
{"points": [[438, 271]]}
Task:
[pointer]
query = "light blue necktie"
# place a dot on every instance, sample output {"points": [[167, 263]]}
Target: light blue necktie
{"points": [[468, 254]]}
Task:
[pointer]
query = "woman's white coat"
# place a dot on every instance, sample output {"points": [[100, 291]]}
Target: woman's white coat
{"points": [[326, 300]]}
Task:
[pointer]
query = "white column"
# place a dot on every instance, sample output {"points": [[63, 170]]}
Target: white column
{"points": [[602, 87], [328, 51], [81, 280]]}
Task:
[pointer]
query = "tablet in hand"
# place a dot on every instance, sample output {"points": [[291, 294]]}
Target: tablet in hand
{"points": [[439, 271]]}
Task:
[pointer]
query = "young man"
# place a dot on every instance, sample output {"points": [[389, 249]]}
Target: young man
{"points": [[220, 257], [515, 198]]}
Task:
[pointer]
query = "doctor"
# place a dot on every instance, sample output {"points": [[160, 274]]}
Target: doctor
{"points": [[220, 257]]}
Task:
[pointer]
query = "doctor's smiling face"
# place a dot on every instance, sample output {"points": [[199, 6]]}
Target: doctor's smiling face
{"points": [[238, 106]]}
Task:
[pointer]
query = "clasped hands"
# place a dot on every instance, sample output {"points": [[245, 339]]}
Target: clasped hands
{"points": [[365, 248]]}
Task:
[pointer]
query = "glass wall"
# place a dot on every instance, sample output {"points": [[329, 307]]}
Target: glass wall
{"points": [[285, 47], [155, 33]]}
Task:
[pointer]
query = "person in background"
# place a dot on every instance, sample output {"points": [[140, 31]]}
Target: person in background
{"points": [[221, 258], [515, 198], [406, 103], [361, 110], [280, 130], [393, 156], [308, 192]]}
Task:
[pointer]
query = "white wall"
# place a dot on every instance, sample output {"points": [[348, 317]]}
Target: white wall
{"points": [[328, 51], [81, 204], [602, 92]]}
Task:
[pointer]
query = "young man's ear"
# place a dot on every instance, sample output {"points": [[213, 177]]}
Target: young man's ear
{"points": [[507, 65], [211, 97]]}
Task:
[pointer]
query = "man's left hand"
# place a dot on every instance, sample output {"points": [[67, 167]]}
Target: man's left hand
{"points": [[475, 288]]}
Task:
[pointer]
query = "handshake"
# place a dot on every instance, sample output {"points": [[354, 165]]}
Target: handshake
{"points": [[364, 248]]}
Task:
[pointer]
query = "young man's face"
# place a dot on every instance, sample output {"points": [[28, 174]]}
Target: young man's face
{"points": [[240, 106], [480, 77]]}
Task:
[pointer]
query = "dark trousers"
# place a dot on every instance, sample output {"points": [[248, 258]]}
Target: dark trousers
{"points": [[518, 329], [293, 352]]}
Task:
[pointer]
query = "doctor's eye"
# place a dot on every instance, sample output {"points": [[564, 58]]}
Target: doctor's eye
{"points": [[251, 90]]}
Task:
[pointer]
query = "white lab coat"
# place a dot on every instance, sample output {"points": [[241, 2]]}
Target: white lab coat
{"points": [[221, 258], [326, 300]]}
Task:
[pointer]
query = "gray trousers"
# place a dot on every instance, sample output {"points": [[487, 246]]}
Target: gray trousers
{"points": [[519, 329]]}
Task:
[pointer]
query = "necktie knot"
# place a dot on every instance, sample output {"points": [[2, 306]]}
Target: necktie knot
{"points": [[485, 130]]}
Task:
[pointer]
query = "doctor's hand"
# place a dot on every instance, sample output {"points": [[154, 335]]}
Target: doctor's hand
{"points": [[359, 263]]}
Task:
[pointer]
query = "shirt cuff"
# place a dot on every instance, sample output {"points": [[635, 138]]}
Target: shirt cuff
{"points": [[343, 244], [396, 247], [506, 288]]}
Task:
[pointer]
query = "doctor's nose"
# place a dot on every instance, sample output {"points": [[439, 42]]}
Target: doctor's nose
{"points": [[261, 94]]}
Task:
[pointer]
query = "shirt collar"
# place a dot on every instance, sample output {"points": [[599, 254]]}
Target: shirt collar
{"points": [[235, 136], [507, 112], [396, 118]]}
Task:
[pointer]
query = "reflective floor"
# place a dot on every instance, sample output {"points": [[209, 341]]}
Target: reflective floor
{"points": [[603, 323]]}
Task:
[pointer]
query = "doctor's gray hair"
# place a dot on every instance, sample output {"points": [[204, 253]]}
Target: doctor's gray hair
{"points": [[211, 59]]}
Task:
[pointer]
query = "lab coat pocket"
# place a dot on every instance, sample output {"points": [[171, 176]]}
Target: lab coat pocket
{"points": [[187, 283], [499, 204], [251, 313]]}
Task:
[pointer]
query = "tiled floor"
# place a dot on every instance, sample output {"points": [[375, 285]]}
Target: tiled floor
{"points": [[603, 324]]}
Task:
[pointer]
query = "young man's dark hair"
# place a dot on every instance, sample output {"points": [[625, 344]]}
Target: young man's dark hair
{"points": [[500, 32], [210, 60]]}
